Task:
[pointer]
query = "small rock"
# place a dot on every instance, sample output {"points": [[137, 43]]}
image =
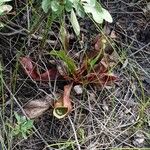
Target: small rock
{"points": [[105, 106], [113, 35], [78, 89], [148, 6], [139, 140]]}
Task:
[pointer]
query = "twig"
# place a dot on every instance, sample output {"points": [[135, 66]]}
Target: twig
{"points": [[13, 33], [28, 24], [75, 134]]}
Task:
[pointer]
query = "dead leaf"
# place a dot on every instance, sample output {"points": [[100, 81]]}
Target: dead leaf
{"points": [[106, 29], [113, 34], [100, 74], [102, 66], [37, 107], [50, 74], [28, 67], [108, 78], [31, 70], [103, 79], [99, 43], [63, 106], [104, 44]]}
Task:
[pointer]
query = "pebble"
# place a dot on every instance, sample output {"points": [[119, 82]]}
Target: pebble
{"points": [[78, 89], [139, 140]]}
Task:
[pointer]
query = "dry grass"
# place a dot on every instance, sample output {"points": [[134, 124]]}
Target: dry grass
{"points": [[102, 118]]}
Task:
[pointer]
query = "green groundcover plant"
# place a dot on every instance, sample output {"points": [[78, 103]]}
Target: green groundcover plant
{"points": [[22, 127], [76, 8], [4, 7]]}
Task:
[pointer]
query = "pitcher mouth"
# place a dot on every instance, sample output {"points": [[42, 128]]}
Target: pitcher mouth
{"points": [[60, 112]]}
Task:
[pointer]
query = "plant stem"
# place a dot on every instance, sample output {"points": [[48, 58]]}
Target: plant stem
{"points": [[48, 27]]}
